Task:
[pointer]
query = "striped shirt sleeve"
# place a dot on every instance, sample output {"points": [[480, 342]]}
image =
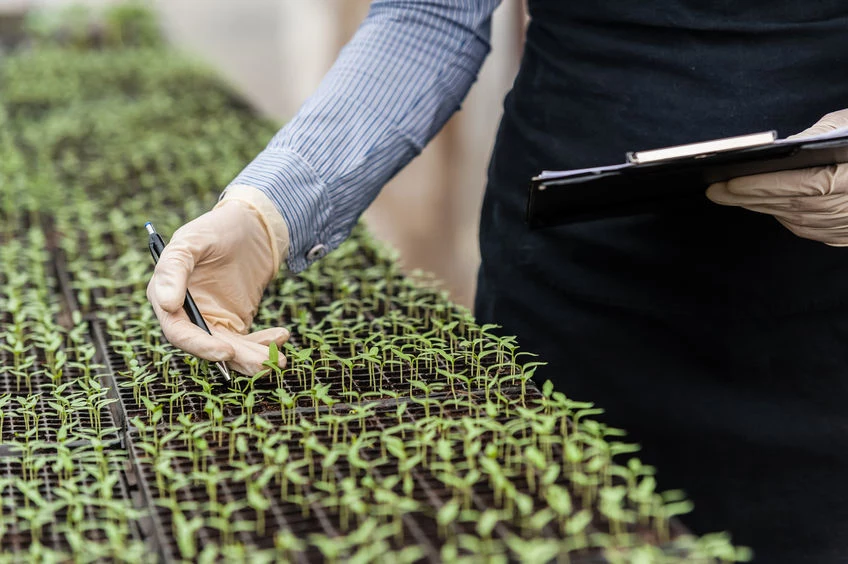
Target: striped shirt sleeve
{"points": [[404, 73]]}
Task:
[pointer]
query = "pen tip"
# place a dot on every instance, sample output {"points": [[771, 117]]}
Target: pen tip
{"points": [[149, 227], [224, 370]]}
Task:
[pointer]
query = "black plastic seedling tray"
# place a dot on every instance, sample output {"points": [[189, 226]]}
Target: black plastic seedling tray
{"points": [[18, 537], [283, 515]]}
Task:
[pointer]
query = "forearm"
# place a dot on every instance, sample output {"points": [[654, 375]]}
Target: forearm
{"points": [[393, 87]]}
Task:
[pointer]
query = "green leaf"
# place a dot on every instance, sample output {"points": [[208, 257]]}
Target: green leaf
{"points": [[535, 456], [524, 503], [262, 423], [551, 474], [444, 448], [448, 513], [572, 452], [486, 523], [559, 499], [669, 496], [540, 520], [678, 508], [578, 522], [257, 500], [645, 488], [273, 354]]}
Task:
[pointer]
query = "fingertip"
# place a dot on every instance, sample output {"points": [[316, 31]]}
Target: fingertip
{"points": [[184, 335], [168, 295], [170, 276], [716, 192], [248, 367], [223, 353], [251, 357], [282, 361], [278, 335], [285, 335]]}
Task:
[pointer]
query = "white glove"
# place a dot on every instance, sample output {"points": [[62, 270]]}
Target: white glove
{"points": [[227, 257], [810, 202]]}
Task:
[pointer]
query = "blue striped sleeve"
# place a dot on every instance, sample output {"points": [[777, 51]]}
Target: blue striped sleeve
{"points": [[404, 73]]}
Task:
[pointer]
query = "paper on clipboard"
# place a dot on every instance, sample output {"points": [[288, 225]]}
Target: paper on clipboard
{"points": [[836, 133], [549, 174]]}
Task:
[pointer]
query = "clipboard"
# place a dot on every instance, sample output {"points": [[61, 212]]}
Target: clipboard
{"points": [[657, 177]]}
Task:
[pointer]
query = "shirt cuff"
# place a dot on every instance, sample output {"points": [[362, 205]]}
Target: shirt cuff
{"points": [[300, 197]]}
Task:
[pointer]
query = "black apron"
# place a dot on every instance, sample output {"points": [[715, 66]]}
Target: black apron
{"points": [[714, 335]]}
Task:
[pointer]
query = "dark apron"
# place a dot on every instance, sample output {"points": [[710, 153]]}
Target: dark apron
{"points": [[714, 335]]}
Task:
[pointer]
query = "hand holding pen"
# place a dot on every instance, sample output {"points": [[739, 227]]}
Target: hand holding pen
{"points": [[226, 256], [157, 245]]}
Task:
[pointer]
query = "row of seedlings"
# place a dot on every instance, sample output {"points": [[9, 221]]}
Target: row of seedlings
{"points": [[63, 485]]}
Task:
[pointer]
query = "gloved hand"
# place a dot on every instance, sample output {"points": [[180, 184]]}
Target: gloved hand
{"points": [[810, 202], [227, 257]]}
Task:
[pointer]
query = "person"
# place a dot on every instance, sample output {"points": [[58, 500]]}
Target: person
{"points": [[716, 334]]}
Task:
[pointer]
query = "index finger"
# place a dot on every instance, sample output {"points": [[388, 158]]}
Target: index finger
{"points": [[773, 187]]}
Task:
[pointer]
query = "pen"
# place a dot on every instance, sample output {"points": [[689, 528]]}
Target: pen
{"points": [[156, 245]]}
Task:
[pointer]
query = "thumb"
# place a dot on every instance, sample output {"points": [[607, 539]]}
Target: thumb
{"points": [[170, 276], [828, 122]]}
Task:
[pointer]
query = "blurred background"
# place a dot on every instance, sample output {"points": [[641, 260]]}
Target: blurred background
{"points": [[276, 52]]}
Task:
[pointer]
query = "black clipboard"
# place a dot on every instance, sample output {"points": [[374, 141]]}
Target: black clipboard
{"points": [[654, 178]]}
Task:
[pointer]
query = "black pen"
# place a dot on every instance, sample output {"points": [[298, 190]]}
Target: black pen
{"points": [[156, 245]]}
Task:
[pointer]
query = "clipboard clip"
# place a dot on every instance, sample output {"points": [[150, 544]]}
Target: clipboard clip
{"points": [[703, 148]]}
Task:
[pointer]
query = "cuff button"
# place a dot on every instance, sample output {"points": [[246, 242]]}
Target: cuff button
{"points": [[316, 252]]}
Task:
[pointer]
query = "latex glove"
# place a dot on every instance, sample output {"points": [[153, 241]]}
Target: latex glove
{"points": [[227, 257], [810, 202]]}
